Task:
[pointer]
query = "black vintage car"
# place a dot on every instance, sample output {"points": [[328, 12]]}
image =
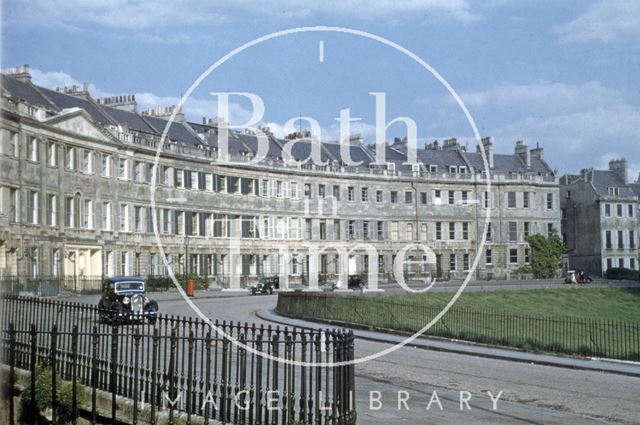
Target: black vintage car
{"points": [[124, 300], [353, 281], [265, 285]]}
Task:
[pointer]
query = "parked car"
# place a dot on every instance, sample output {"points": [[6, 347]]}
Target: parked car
{"points": [[577, 277], [353, 281], [124, 300], [265, 285]]}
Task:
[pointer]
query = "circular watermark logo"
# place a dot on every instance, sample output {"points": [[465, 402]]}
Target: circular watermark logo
{"points": [[260, 154]]}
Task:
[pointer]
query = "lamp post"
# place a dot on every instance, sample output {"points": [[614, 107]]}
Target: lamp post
{"points": [[186, 258]]}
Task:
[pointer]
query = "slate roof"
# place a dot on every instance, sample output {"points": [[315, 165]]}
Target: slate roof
{"points": [[66, 101], [301, 150], [357, 153], [192, 134], [21, 90], [602, 180], [177, 130], [129, 119]]}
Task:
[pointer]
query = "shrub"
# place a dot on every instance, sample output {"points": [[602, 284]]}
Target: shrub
{"points": [[164, 283], [65, 398], [159, 283], [43, 390], [200, 281], [620, 273], [546, 255], [44, 397]]}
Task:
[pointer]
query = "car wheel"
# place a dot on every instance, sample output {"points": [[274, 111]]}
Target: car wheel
{"points": [[152, 311], [118, 314]]}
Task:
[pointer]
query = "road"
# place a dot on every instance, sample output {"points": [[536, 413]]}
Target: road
{"points": [[531, 394]]}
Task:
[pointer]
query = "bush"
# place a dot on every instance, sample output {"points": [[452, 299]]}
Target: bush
{"points": [[44, 397], [43, 391], [200, 281], [159, 283], [65, 398], [546, 255], [620, 273], [165, 283]]}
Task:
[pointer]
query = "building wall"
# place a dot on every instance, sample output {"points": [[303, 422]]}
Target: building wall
{"points": [[587, 217], [37, 245]]}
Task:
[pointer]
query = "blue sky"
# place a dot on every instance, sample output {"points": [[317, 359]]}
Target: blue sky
{"points": [[562, 74]]}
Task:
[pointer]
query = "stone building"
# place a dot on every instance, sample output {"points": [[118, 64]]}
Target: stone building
{"points": [[76, 178], [600, 218]]}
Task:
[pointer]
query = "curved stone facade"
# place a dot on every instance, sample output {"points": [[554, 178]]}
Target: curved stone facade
{"points": [[75, 180]]}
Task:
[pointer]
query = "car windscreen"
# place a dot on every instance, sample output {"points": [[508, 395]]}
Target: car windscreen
{"points": [[129, 286]]}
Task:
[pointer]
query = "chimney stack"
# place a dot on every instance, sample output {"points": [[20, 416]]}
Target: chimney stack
{"points": [[488, 150], [522, 150], [620, 168], [538, 152], [165, 112], [123, 102], [74, 90], [20, 73], [450, 144]]}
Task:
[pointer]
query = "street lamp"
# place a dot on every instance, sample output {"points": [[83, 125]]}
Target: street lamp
{"points": [[186, 258]]}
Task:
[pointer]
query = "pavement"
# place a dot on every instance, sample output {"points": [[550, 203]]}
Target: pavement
{"points": [[461, 347]]}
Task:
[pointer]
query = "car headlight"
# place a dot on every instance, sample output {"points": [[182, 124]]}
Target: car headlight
{"points": [[125, 300]]}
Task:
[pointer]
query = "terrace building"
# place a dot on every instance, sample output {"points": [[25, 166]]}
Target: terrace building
{"points": [[600, 218], [76, 178]]}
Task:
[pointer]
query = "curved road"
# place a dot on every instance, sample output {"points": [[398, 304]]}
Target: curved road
{"points": [[531, 394]]}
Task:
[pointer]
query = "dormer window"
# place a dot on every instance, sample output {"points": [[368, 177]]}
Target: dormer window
{"points": [[615, 191], [433, 168], [453, 169]]}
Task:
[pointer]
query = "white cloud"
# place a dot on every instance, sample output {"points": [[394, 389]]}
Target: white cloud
{"points": [[194, 108], [580, 139], [579, 125], [543, 97], [151, 15], [55, 79], [604, 21], [119, 14], [458, 10]]}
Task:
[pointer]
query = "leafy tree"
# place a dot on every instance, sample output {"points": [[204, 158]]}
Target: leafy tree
{"points": [[546, 255]]}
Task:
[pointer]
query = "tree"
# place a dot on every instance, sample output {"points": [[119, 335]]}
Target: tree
{"points": [[546, 255]]}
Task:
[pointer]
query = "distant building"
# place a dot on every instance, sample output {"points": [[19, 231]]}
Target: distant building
{"points": [[76, 173], [600, 218]]}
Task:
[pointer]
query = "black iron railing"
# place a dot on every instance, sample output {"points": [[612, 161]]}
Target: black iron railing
{"points": [[229, 372], [587, 337]]}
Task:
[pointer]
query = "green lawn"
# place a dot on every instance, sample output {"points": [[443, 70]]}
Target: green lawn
{"points": [[580, 302], [583, 321]]}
